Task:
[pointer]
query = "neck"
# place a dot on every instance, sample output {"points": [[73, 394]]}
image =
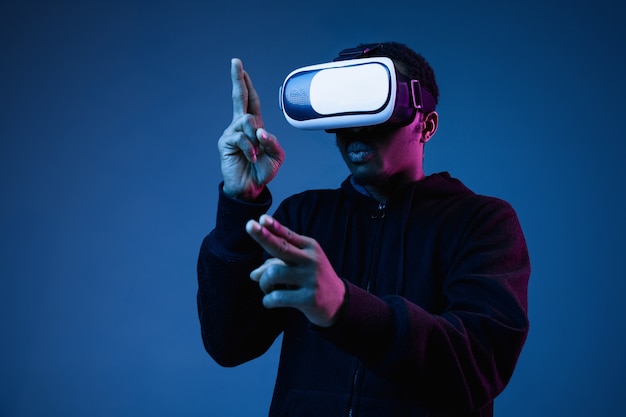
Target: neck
{"points": [[382, 192]]}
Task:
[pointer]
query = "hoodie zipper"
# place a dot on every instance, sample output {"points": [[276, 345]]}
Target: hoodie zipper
{"points": [[378, 214], [355, 378]]}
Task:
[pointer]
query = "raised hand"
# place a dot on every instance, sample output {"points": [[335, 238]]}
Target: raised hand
{"points": [[299, 275], [250, 156]]}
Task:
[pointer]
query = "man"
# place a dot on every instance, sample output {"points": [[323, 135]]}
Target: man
{"points": [[398, 294]]}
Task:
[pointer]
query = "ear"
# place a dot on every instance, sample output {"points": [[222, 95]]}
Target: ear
{"points": [[431, 121]]}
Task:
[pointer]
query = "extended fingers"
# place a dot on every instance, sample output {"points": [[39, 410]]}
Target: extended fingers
{"points": [[254, 103], [283, 232], [276, 246], [245, 98], [240, 91], [277, 240]]}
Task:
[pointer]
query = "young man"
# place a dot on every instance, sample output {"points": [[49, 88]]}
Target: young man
{"points": [[397, 294]]}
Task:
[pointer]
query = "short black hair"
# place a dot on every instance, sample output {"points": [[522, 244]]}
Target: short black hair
{"points": [[418, 67]]}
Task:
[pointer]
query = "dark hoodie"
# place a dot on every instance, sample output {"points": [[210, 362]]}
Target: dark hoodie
{"points": [[436, 304]]}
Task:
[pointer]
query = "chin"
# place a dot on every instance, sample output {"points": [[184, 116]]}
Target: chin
{"points": [[369, 178]]}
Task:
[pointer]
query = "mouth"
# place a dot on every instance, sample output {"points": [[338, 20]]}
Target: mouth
{"points": [[358, 152]]}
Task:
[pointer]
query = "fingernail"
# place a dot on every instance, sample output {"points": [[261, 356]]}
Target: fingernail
{"points": [[252, 226]]}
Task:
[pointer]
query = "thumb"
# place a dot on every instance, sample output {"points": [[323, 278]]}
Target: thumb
{"points": [[270, 143]]}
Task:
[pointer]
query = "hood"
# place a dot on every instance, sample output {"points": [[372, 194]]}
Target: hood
{"points": [[440, 184]]}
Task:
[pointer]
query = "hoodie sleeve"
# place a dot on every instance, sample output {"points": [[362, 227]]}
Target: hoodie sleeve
{"points": [[464, 357], [234, 324]]}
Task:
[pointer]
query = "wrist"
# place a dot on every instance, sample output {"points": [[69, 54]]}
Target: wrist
{"points": [[341, 309]]}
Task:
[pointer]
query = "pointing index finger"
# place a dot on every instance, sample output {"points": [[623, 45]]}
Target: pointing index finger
{"points": [[277, 240], [300, 242], [240, 90], [245, 98]]}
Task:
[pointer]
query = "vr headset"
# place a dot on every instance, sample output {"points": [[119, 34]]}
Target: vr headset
{"points": [[352, 93]]}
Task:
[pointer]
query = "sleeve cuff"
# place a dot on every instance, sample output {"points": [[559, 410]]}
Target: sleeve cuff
{"points": [[365, 324], [230, 234]]}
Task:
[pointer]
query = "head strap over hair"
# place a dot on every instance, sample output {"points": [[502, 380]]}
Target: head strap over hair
{"points": [[358, 52]]}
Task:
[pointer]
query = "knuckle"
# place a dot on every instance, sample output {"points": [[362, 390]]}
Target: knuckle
{"points": [[283, 246], [247, 118], [308, 298], [237, 92], [266, 284], [272, 273], [239, 138]]}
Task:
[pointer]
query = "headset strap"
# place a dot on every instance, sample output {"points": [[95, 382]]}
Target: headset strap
{"points": [[358, 52]]}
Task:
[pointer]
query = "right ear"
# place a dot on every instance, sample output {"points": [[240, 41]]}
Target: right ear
{"points": [[431, 122]]}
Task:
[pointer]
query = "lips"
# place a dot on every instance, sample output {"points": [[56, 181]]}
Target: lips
{"points": [[359, 152]]}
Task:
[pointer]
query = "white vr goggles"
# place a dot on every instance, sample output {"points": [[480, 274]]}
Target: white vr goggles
{"points": [[352, 93]]}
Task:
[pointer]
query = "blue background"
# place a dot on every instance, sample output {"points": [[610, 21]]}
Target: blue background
{"points": [[110, 113]]}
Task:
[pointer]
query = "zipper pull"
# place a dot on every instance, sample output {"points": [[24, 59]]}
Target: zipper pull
{"points": [[379, 213]]}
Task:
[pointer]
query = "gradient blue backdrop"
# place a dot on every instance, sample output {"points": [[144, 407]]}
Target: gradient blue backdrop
{"points": [[109, 116]]}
